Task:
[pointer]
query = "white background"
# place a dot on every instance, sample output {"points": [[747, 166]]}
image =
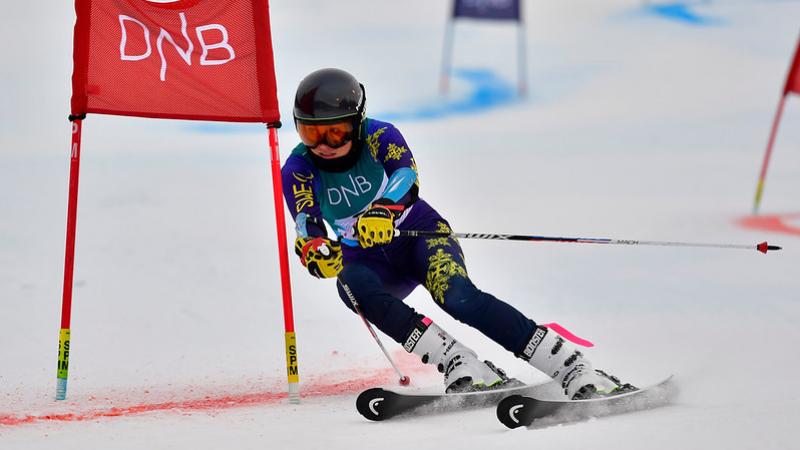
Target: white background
{"points": [[636, 127]]}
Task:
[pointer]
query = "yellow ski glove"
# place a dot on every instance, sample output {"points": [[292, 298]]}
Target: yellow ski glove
{"points": [[376, 225], [321, 256]]}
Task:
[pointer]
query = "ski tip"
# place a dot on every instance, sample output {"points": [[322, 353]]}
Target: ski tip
{"points": [[764, 247], [370, 404], [508, 411]]}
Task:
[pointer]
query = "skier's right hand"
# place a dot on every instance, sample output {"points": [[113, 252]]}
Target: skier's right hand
{"points": [[321, 256]]}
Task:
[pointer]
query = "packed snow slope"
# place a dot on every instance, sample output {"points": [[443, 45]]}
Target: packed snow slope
{"points": [[641, 122]]}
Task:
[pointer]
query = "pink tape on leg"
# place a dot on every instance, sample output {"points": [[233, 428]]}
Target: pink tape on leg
{"points": [[566, 334]]}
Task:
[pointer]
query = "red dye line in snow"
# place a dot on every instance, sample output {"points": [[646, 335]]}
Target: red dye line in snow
{"points": [[313, 389], [772, 223]]}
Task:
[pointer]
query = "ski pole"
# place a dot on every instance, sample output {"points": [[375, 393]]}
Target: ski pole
{"points": [[404, 380], [762, 247]]}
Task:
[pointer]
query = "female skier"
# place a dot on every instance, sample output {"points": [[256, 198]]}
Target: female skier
{"points": [[358, 175]]}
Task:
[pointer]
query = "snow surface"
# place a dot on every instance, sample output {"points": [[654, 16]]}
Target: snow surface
{"points": [[639, 124]]}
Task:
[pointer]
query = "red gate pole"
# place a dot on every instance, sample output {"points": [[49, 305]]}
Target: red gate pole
{"points": [[792, 85], [765, 163], [283, 258], [69, 258]]}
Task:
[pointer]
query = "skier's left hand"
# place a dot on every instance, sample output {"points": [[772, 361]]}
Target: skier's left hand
{"points": [[376, 225]]}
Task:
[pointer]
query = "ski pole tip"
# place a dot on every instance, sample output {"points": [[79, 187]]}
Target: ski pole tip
{"points": [[764, 247]]}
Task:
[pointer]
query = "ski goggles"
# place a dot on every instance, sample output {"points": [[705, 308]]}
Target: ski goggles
{"points": [[333, 135]]}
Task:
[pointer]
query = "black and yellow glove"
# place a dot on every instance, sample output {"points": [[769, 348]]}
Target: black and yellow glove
{"points": [[376, 225], [321, 256]]}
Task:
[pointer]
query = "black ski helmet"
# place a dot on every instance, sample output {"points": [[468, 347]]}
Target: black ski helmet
{"points": [[330, 95]]}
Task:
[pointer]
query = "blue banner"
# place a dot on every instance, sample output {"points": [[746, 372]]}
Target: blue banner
{"points": [[487, 9]]}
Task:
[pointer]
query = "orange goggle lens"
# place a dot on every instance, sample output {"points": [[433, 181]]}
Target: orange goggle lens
{"points": [[333, 135]]}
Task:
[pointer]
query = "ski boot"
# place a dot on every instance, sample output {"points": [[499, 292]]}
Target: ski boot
{"points": [[463, 371], [564, 363], [610, 385]]}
